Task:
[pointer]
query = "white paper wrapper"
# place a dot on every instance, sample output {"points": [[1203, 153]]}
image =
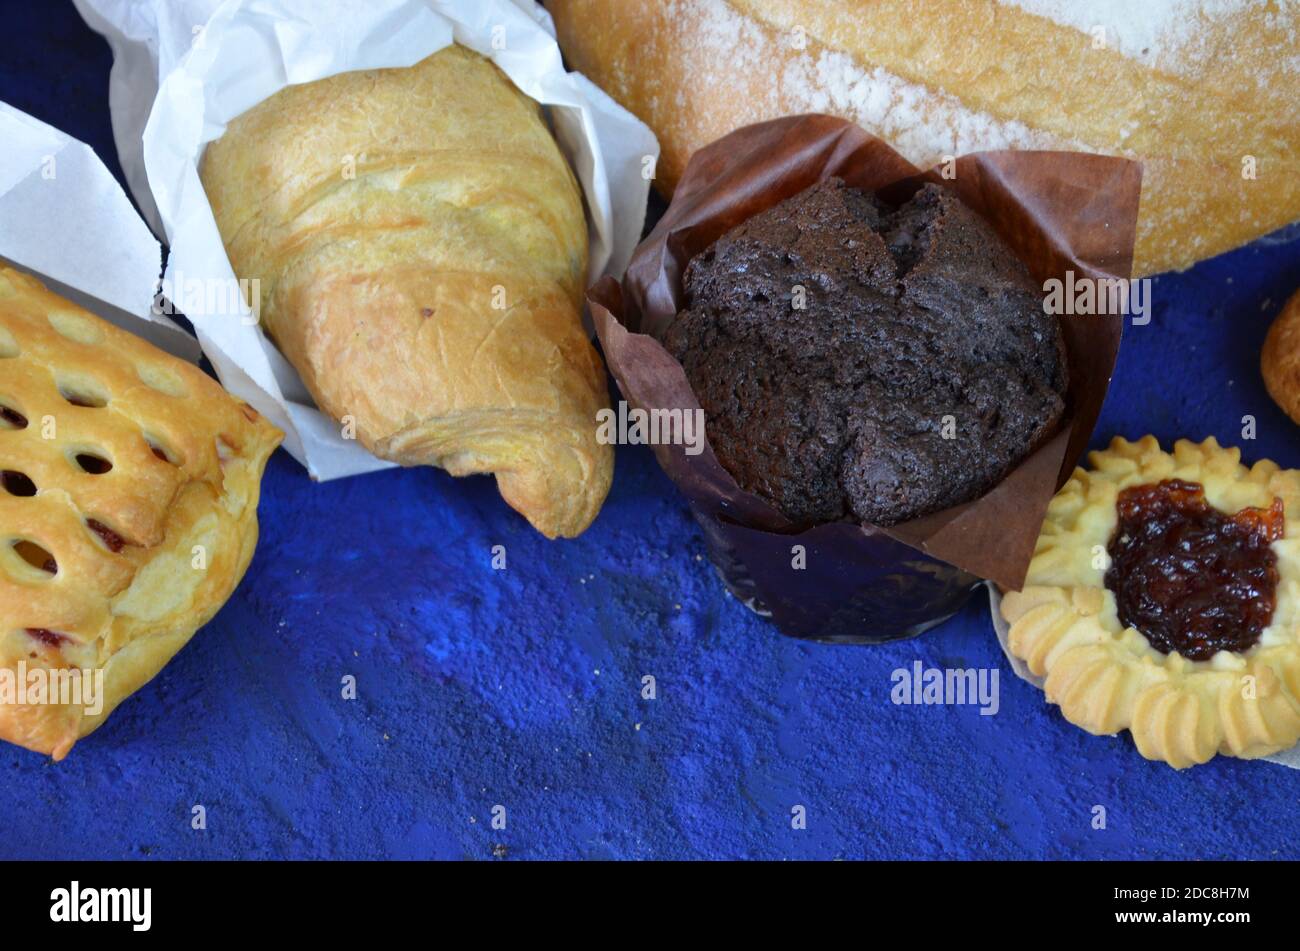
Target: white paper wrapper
{"points": [[65, 219], [1289, 757], [184, 68]]}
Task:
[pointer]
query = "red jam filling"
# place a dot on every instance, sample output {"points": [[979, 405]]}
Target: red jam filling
{"points": [[14, 418], [51, 638], [1193, 579], [111, 539]]}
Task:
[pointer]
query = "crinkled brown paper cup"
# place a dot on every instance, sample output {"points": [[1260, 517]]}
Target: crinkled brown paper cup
{"points": [[1059, 211]]}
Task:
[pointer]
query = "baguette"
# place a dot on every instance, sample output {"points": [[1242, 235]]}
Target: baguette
{"points": [[1202, 92]]}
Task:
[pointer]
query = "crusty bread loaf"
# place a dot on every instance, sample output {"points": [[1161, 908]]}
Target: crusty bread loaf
{"points": [[1198, 90], [422, 248]]}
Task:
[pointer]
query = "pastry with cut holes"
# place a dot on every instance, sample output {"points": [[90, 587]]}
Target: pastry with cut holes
{"points": [[1164, 599], [129, 483]]}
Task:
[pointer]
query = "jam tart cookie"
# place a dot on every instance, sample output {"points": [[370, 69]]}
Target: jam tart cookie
{"points": [[129, 483], [1164, 598]]}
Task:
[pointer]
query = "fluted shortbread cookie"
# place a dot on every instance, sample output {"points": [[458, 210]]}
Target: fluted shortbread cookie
{"points": [[1164, 599]]}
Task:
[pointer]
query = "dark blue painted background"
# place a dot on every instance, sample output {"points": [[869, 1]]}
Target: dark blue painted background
{"points": [[522, 687]]}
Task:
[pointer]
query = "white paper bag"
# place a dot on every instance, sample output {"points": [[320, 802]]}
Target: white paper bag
{"points": [[184, 68], [65, 219]]}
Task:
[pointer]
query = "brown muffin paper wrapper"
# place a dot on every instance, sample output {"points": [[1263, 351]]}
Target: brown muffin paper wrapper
{"points": [[1059, 211]]}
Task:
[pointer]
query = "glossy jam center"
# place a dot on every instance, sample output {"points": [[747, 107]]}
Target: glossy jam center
{"points": [[52, 638], [112, 540], [1193, 579]]}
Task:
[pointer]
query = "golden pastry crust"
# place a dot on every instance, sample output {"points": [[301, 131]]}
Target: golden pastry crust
{"points": [[144, 553], [421, 247], [1279, 361], [1106, 677]]}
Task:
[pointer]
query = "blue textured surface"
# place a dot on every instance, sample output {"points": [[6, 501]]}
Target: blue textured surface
{"points": [[522, 687]]}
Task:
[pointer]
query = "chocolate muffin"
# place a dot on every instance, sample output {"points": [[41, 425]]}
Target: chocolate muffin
{"points": [[861, 361]]}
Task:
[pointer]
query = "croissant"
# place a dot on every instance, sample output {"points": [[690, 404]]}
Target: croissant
{"points": [[420, 248]]}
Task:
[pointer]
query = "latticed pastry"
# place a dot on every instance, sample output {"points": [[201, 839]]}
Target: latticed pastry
{"points": [[1164, 598], [129, 483]]}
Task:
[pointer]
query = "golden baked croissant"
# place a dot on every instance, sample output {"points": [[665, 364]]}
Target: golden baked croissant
{"points": [[421, 248], [129, 483]]}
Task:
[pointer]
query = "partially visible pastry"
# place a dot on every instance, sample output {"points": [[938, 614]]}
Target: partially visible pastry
{"points": [[1280, 359], [1164, 599], [129, 483], [860, 361], [421, 248]]}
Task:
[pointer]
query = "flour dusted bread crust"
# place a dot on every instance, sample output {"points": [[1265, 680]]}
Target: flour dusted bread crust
{"points": [[1280, 359], [421, 247], [129, 483], [1108, 677], [1198, 90]]}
